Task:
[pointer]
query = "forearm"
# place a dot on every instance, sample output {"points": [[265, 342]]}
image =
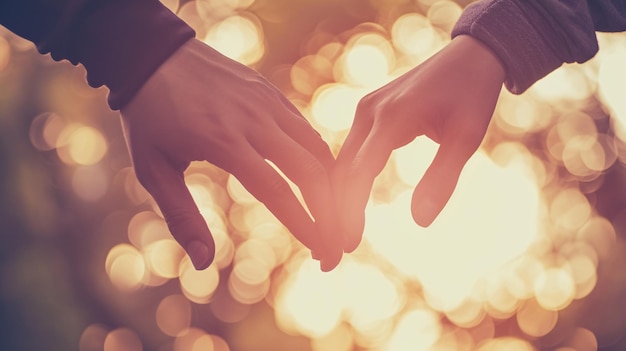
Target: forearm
{"points": [[120, 42], [534, 37]]}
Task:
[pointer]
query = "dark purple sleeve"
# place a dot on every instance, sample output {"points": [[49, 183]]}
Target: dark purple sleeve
{"points": [[534, 37], [120, 42]]}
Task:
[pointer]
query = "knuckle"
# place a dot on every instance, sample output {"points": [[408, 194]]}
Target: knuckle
{"points": [[314, 170], [278, 187], [175, 217], [366, 104]]}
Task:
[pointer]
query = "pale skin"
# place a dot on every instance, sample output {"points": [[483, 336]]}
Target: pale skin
{"points": [[202, 106], [450, 99]]}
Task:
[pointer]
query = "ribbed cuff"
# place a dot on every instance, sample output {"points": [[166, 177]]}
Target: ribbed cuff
{"points": [[122, 42], [524, 39]]}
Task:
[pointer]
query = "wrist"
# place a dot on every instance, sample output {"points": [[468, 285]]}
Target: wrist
{"points": [[480, 55]]}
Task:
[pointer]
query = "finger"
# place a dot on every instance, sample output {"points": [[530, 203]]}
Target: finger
{"points": [[344, 173], [167, 186], [312, 178], [358, 181], [301, 132], [267, 186], [361, 128], [438, 183]]}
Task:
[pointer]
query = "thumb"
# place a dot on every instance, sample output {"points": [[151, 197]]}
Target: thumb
{"points": [[438, 183], [167, 186]]}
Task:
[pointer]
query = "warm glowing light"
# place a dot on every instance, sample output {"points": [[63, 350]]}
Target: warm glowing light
{"points": [[313, 302], [444, 14], [334, 105], [340, 339], [44, 131], [226, 308], [570, 209], [90, 183], [600, 234], [135, 193], [536, 321], [238, 192], [212, 10], [239, 38], [198, 286], [172, 5], [417, 330], [555, 289], [163, 257], [277, 237], [310, 72], [261, 253], [204, 343], [568, 82], [362, 284], [122, 339], [249, 281], [412, 160], [583, 272], [521, 276], [467, 241], [583, 340], [611, 78], [467, 314], [147, 227], [414, 36], [454, 340], [187, 339], [79, 144], [307, 303], [224, 248], [255, 215], [500, 300], [516, 115], [368, 62], [173, 315], [92, 338], [506, 343], [125, 267]]}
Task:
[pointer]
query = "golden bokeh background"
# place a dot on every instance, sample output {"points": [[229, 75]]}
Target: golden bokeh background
{"points": [[528, 255]]}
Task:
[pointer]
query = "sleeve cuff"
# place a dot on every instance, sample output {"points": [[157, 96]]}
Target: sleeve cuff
{"points": [[121, 43], [528, 44]]}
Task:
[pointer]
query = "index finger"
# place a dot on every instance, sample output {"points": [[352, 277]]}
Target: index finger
{"points": [[265, 184]]}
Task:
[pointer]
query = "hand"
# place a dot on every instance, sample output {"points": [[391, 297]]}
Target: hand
{"points": [[450, 98], [200, 105]]}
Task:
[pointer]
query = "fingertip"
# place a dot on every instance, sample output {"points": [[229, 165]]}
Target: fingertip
{"points": [[425, 208], [352, 223], [329, 263], [424, 213], [200, 253], [352, 236]]}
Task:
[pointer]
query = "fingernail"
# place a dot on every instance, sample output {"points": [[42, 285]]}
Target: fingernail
{"points": [[424, 213], [199, 254]]}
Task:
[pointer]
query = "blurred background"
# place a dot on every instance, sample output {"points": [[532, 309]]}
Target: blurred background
{"points": [[528, 255]]}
